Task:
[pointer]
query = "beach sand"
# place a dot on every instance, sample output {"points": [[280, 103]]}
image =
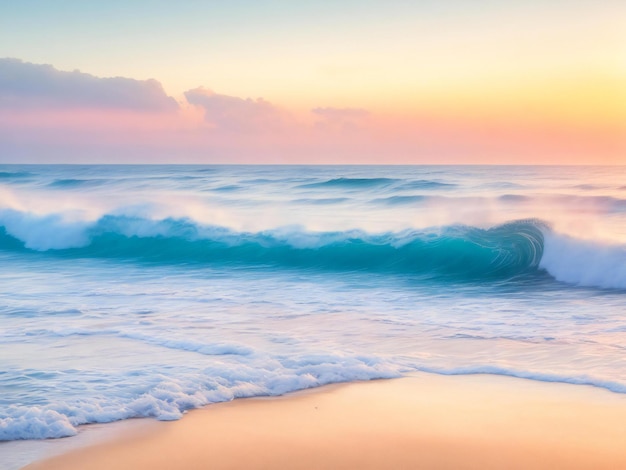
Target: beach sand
{"points": [[424, 421]]}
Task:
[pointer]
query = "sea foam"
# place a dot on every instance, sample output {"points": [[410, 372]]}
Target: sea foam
{"points": [[584, 262], [169, 397]]}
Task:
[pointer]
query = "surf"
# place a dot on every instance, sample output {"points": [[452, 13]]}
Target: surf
{"points": [[455, 251]]}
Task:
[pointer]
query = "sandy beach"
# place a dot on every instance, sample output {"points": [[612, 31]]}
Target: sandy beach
{"points": [[422, 421]]}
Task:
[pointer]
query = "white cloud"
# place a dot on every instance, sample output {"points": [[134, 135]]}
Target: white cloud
{"points": [[27, 85], [237, 114]]}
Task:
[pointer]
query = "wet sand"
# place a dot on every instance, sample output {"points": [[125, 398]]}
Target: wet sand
{"points": [[424, 421]]}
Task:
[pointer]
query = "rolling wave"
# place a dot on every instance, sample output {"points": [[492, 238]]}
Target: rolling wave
{"points": [[426, 184], [352, 183], [368, 183], [76, 183], [14, 174], [459, 251]]}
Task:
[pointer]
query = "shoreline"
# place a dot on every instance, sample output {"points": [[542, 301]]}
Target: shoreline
{"points": [[420, 421]]}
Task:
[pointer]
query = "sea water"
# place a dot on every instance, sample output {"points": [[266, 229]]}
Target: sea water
{"points": [[146, 291]]}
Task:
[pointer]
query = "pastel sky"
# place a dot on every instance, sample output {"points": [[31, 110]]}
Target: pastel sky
{"points": [[423, 81]]}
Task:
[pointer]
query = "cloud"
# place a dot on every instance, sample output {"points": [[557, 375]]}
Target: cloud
{"points": [[24, 85], [237, 114]]}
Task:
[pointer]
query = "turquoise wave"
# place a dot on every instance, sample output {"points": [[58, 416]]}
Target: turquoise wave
{"points": [[76, 183], [460, 251], [14, 174], [352, 183]]}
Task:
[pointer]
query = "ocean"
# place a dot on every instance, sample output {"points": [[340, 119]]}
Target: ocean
{"points": [[145, 291]]}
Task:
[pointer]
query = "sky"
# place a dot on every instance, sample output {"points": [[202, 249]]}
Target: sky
{"points": [[402, 82]]}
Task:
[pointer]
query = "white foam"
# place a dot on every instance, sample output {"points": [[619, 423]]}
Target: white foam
{"points": [[34, 423], [584, 263], [43, 233], [212, 349], [170, 397], [530, 375]]}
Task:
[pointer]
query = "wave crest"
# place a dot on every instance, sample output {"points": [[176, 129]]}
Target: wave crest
{"points": [[460, 251]]}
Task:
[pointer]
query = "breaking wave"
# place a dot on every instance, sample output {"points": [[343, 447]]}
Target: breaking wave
{"points": [[460, 251]]}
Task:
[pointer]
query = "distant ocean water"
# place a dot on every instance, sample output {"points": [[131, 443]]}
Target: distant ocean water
{"points": [[132, 291]]}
